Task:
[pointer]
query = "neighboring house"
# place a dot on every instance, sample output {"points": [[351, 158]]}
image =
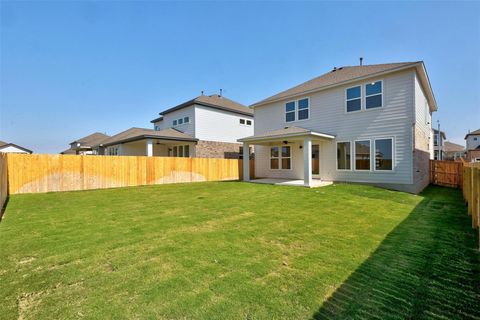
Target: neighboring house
{"points": [[6, 147], [453, 151], [473, 146], [439, 138], [204, 127], [366, 124], [85, 145]]}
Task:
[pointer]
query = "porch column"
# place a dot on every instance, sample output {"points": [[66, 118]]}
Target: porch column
{"points": [[307, 162], [246, 162], [149, 148]]}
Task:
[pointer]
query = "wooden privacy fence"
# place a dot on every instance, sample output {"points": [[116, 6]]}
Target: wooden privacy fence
{"points": [[446, 173], [3, 180], [45, 173], [471, 192]]}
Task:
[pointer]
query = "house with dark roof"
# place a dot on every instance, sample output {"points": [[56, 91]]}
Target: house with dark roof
{"points": [[473, 145], [85, 145], [453, 151], [6, 147], [203, 127], [362, 124]]}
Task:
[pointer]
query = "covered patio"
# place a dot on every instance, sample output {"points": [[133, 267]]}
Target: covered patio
{"points": [[285, 164]]}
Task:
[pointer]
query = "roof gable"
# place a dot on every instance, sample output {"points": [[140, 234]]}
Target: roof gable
{"points": [[344, 75], [213, 101], [473, 133]]}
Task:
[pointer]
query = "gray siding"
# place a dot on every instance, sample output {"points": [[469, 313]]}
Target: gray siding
{"points": [[327, 115]]}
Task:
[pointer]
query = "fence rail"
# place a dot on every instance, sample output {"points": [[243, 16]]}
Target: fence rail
{"points": [[45, 173]]}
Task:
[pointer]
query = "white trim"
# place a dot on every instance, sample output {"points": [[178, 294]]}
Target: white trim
{"points": [[280, 157], [392, 138], [355, 155], [296, 110], [336, 158], [361, 100], [376, 94], [290, 135]]}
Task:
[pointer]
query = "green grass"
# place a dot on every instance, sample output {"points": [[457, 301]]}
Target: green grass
{"points": [[238, 251]]}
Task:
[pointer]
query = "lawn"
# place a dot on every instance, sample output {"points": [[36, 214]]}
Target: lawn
{"points": [[232, 250]]}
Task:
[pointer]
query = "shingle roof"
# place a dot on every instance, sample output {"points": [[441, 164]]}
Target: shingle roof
{"points": [[214, 101], [4, 144], [285, 132], [134, 134], [92, 139], [452, 147], [68, 151], [334, 77], [476, 132]]}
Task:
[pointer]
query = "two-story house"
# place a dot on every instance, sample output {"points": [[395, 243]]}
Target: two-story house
{"points": [[473, 146], [365, 124], [203, 127], [439, 138]]}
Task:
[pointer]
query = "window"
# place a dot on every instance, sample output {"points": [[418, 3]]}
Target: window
{"points": [[245, 122], [303, 106], [280, 157], [186, 119], [435, 139], [475, 139], [242, 121], [290, 111], [354, 99], [249, 122], [180, 121], [383, 154], [181, 151], [286, 157], [157, 128], [343, 156], [274, 158], [373, 95], [362, 155]]}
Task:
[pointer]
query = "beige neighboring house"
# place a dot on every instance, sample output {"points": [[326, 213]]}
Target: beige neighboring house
{"points": [[367, 124], [148, 142], [453, 151], [85, 145], [6, 147], [473, 146], [203, 127]]}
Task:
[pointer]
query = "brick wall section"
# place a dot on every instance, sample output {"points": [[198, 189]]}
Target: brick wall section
{"points": [[214, 149], [421, 161], [473, 154]]}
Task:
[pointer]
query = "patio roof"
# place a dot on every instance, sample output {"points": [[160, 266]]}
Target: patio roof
{"points": [[287, 132]]}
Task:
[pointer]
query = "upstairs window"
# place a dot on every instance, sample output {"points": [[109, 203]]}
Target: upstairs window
{"points": [[373, 95], [297, 110], [174, 122], [180, 121], [354, 99], [303, 109], [290, 111], [249, 122], [186, 120], [242, 121]]}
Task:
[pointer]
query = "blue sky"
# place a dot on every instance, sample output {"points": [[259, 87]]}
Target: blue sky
{"points": [[68, 69]]}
